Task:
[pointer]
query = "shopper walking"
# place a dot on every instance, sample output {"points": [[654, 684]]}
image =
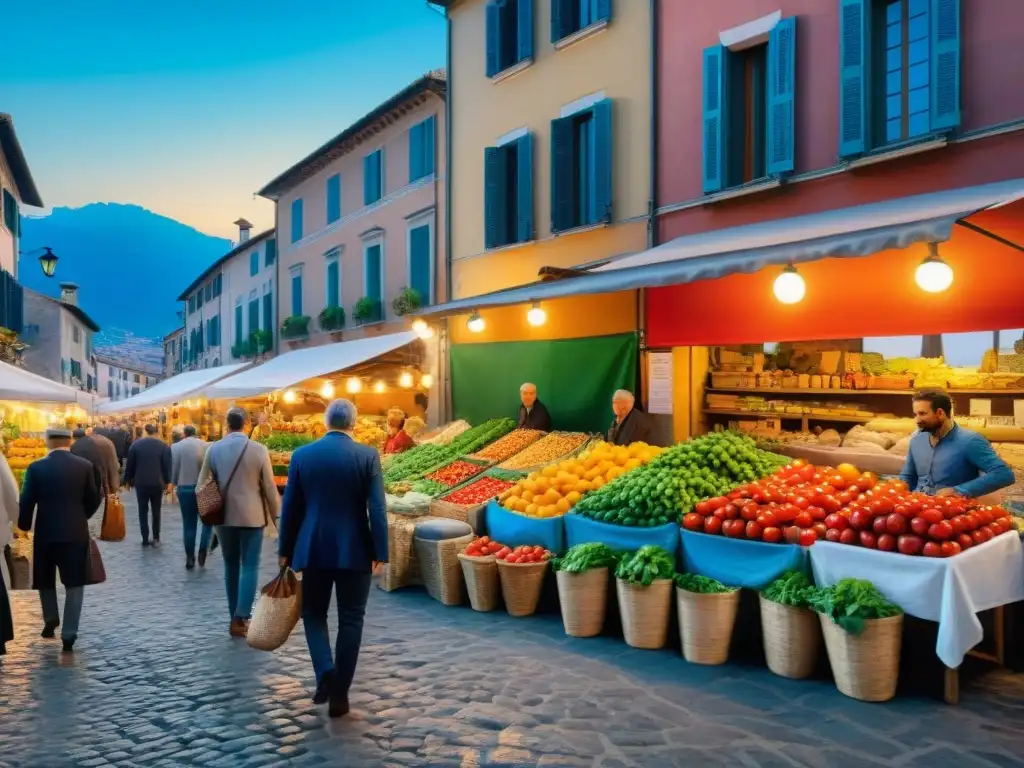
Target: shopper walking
{"points": [[334, 529], [8, 516], [186, 463], [61, 492], [148, 469], [246, 478]]}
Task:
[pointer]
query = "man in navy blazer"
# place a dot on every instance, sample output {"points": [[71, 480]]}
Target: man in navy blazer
{"points": [[334, 529]]}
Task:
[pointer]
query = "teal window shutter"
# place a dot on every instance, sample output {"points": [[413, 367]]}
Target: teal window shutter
{"points": [[254, 263], [238, 324], [333, 198], [601, 189], [296, 220], [781, 97], [496, 232], [268, 313], [372, 266], [297, 295], [372, 185], [945, 64], [853, 77], [493, 38], [428, 146], [524, 31], [254, 316], [216, 335], [524, 189], [714, 160], [602, 10], [415, 152], [419, 262], [563, 185], [333, 283], [271, 257], [562, 20]]}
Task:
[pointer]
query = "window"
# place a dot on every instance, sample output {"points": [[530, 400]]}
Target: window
{"points": [[581, 168], [254, 316], [213, 331], [749, 110], [333, 279], [296, 220], [268, 312], [208, 291], [76, 369], [421, 150], [199, 298], [136, 378], [509, 34], [420, 262], [110, 388], [373, 277], [333, 198], [899, 71], [110, 371], [297, 294], [271, 253], [238, 324], [508, 193], [76, 334], [373, 177], [570, 16], [218, 284], [254, 263], [135, 390], [191, 305], [10, 213], [124, 375]]}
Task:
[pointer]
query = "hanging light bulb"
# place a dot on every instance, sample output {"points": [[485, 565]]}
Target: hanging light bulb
{"points": [[327, 390], [476, 323], [933, 274], [379, 388], [353, 385], [289, 396], [536, 316], [427, 381], [405, 380], [422, 329], [789, 287]]}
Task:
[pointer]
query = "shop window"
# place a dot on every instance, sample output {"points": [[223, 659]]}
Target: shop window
{"points": [[571, 16], [899, 71], [509, 34], [421, 149], [508, 193], [373, 177], [581, 168]]}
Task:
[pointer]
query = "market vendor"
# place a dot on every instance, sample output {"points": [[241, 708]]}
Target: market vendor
{"points": [[398, 440], [947, 459], [532, 412], [262, 428], [630, 425]]}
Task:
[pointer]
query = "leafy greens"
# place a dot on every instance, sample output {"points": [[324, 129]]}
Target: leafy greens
{"points": [[646, 565], [702, 585], [792, 588], [585, 557], [849, 602]]}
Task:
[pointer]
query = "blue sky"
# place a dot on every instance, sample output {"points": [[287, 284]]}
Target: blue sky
{"points": [[187, 108]]}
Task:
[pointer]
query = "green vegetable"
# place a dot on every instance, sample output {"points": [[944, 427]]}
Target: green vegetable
{"points": [[285, 441], [792, 588], [511, 475], [429, 487], [849, 602], [702, 585], [425, 458], [585, 557], [645, 565]]}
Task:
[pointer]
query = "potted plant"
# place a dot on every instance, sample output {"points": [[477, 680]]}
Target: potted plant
{"points": [[366, 310], [790, 630], [643, 584], [408, 300], [260, 341], [582, 575], [332, 318], [863, 633], [707, 615], [295, 327], [241, 350]]}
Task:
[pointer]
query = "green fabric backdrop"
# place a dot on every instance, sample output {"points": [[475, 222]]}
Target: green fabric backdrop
{"points": [[575, 378]]}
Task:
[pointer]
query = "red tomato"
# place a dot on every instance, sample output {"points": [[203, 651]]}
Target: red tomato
{"points": [[919, 526], [837, 521], [731, 511], [995, 527], [909, 544], [932, 549], [820, 529], [801, 502], [932, 515], [807, 537], [950, 548], [965, 541], [713, 524], [717, 502], [693, 521], [940, 531], [882, 506], [807, 473], [878, 525], [513, 559], [817, 513], [849, 536], [830, 503], [958, 524], [749, 511], [754, 530], [771, 534], [792, 535], [902, 509], [868, 540], [837, 481], [978, 536], [735, 529], [896, 524], [986, 533], [867, 480], [803, 520], [861, 519], [503, 552], [767, 518], [845, 498], [703, 508], [833, 535], [887, 542]]}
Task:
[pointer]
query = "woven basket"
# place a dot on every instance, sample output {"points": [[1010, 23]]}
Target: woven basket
{"points": [[792, 639], [645, 612], [482, 582], [584, 600], [439, 564], [402, 568], [866, 666], [705, 624], [451, 511], [276, 613], [521, 584]]}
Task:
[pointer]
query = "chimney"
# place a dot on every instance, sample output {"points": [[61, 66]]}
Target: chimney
{"points": [[69, 294], [243, 230]]}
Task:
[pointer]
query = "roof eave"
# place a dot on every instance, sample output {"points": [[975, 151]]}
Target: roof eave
{"points": [[16, 161], [233, 252]]}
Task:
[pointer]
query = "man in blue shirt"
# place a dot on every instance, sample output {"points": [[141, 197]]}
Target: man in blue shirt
{"points": [[946, 459]]}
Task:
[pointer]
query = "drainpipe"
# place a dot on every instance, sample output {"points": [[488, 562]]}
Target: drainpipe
{"points": [[652, 203], [443, 342], [275, 293]]}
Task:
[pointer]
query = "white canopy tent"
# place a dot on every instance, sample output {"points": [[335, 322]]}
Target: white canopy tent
{"points": [[19, 384], [172, 390], [292, 368]]}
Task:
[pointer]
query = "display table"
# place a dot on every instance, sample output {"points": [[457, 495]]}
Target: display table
{"points": [[738, 562], [948, 591]]}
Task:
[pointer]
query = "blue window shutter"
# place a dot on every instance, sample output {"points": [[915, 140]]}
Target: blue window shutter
{"points": [[254, 316], [415, 152], [296, 220], [563, 186], [524, 32], [332, 284], [297, 295], [603, 10], [853, 77], [524, 189], [562, 19], [493, 38], [238, 324], [333, 198], [419, 262], [714, 174], [270, 258], [781, 93], [603, 160], [945, 64], [268, 312], [367, 179], [428, 146], [495, 197], [372, 266], [254, 264]]}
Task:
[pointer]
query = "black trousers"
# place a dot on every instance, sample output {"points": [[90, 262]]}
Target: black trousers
{"points": [[149, 497], [351, 590]]}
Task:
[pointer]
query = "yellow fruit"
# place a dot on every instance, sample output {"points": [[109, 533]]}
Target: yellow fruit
{"points": [[633, 464], [531, 510], [573, 497], [562, 506], [522, 506], [528, 496], [597, 483], [549, 471], [509, 504]]}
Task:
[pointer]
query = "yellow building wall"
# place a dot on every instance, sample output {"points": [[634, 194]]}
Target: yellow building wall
{"points": [[690, 367]]}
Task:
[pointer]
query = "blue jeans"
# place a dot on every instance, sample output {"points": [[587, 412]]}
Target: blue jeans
{"points": [[190, 522], [73, 597], [242, 548], [351, 589]]}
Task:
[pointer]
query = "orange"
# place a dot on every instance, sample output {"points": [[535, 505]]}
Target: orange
{"points": [[848, 472]]}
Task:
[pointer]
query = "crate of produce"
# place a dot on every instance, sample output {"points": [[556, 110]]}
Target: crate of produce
{"points": [[427, 458], [466, 502], [457, 472], [508, 446], [549, 449], [442, 435]]}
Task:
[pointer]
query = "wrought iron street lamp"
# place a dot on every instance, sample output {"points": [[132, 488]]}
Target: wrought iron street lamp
{"points": [[47, 259]]}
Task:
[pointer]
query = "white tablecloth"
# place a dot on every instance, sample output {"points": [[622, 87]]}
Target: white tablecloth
{"points": [[950, 591]]}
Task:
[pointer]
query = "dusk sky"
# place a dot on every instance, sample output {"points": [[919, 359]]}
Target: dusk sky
{"points": [[187, 108]]}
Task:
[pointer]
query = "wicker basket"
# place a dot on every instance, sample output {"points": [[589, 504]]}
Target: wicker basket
{"points": [[276, 613], [645, 612], [792, 639], [482, 582], [584, 600], [520, 586], [439, 564], [866, 666], [451, 511], [705, 624], [403, 567]]}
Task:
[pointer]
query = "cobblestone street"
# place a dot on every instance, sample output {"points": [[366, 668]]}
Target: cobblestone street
{"points": [[155, 680]]}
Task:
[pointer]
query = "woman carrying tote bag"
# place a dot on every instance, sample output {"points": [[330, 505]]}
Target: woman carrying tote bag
{"points": [[8, 513]]}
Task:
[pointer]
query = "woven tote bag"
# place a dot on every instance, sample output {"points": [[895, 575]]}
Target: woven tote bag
{"points": [[276, 613]]}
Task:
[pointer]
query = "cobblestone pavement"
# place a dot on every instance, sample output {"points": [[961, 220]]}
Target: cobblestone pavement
{"points": [[155, 680]]}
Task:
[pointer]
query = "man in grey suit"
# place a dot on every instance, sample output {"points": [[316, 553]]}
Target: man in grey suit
{"points": [[186, 462], [148, 468]]}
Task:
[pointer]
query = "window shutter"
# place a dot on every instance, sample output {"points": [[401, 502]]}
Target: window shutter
{"points": [[524, 33], [415, 152], [296, 220], [297, 295], [419, 262], [603, 10], [781, 91], [524, 189], [268, 312], [561, 19], [493, 38], [428, 145], [368, 197], [254, 316], [333, 199], [603, 159], [945, 64], [270, 258], [373, 286], [495, 197], [853, 77], [562, 182], [332, 284], [714, 118], [238, 324]]}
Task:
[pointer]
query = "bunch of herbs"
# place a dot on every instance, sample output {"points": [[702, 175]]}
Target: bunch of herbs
{"points": [[702, 585], [585, 557], [850, 602], [646, 565], [792, 588]]}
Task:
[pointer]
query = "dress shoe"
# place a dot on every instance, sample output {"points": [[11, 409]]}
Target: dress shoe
{"points": [[190, 563], [323, 688], [202, 558], [3, 649], [156, 541], [145, 542], [338, 706], [239, 627], [69, 644], [50, 629]]}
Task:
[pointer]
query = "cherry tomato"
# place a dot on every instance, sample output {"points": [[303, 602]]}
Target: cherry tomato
{"points": [[771, 534], [713, 524], [887, 542], [807, 537], [833, 535], [849, 536], [754, 530], [932, 549]]}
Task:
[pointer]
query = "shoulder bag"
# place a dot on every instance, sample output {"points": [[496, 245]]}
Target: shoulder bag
{"points": [[210, 496]]}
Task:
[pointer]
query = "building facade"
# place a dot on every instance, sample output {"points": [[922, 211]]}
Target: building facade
{"points": [[59, 335], [361, 222], [174, 353], [120, 379]]}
